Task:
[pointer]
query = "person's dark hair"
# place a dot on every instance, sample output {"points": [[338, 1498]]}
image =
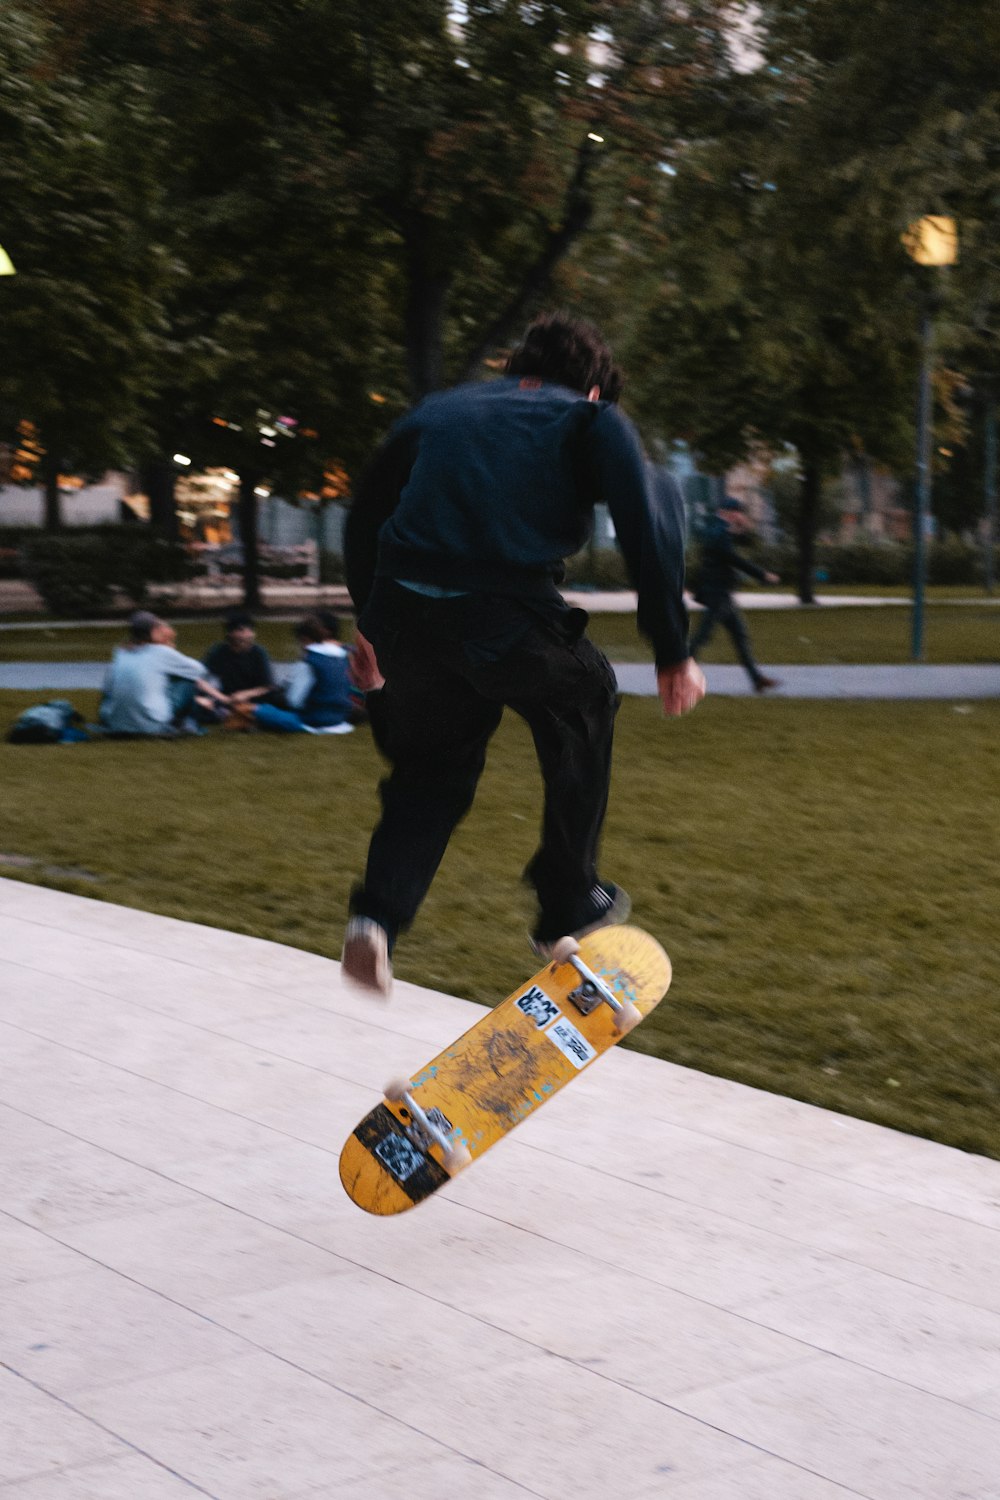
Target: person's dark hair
{"points": [[238, 619], [568, 351], [141, 625], [330, 623], [309, 629]]}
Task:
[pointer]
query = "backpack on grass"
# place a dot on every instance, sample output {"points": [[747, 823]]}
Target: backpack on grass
{"points": [[54, 723]]}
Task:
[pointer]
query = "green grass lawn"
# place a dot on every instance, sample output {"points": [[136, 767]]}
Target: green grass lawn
{"points": [[822, 874], [953, 633]]}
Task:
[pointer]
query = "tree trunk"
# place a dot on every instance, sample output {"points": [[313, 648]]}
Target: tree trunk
{"points": [[990, 492], [808, 522], [50, 481], [427, 294], [578, 208], [863, 479], [157, 478], [247, 513]]}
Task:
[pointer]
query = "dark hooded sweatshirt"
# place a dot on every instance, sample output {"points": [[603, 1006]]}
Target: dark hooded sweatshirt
{"points": [[487, 488]]}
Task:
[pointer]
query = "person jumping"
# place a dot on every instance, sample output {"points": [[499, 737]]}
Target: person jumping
{"points": [[454, 548]]}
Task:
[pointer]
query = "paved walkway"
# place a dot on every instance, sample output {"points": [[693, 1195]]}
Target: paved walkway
{"points": [[724, 681], [836, 682], [664, 1285], [622, 601]]}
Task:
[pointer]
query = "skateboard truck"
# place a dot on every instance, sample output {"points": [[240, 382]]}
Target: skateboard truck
{"points": [[593, 990], [456, 1154]]}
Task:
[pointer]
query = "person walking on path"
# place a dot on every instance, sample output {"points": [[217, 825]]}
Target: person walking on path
{"points": [[453, 550], [720, 563]]}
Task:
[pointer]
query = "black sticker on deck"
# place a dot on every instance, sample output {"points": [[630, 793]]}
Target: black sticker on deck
{"points": [[399, 1155], [387, 1139], [536, 1004]]}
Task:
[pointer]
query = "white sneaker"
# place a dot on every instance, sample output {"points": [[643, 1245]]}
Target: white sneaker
{"points": [[365, 959]]}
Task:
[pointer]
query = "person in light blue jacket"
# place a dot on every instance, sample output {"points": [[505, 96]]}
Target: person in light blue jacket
{"points": [[150, 686]]}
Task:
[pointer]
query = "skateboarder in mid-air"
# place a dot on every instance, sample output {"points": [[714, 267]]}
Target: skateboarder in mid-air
{"points": [[453, 550]]}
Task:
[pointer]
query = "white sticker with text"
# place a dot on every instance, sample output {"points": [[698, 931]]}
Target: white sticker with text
{"points": [[572, 1043]]}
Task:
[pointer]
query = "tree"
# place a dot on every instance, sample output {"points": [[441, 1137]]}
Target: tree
{"points": [[273, 301], [75, 340], [786, 311], [364, 198], [476, 134], [902, 102]]}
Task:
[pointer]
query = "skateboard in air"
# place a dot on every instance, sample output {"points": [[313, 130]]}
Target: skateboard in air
{"points": [[432, 1126]]}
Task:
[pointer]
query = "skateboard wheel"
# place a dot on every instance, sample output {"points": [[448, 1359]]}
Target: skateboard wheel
{"points": [[630, 1015], [456, 1158], [397, 1089], [564, 949]]}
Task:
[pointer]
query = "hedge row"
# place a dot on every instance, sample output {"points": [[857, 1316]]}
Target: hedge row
{"points": [[11, 538], [83, 574], [87, 573], [949, 561]]}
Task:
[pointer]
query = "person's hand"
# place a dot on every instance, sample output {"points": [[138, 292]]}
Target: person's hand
{"points": [[681, 687], [363, 669], [772, 577]]}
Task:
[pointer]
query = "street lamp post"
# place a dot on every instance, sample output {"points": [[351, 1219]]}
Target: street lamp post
{"points": [[930, 241], [922, 508]]}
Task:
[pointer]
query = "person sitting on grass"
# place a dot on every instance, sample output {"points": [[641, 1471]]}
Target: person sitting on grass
{"points": [[240, 668], [318, 691], [239, 664], [332, 629], [150, 687]]}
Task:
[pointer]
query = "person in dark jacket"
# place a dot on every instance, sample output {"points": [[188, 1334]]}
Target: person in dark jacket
{"points": [[454, 548], [239, 664], [243, 671], [720, 565]]}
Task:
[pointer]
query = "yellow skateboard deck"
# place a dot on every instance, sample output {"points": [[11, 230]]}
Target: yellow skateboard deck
{"points": [[515, 1058]]}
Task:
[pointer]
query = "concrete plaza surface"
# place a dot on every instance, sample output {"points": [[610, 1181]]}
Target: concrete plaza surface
{"points": [[662, 1285]]}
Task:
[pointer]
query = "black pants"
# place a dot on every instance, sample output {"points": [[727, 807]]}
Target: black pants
{"points": [[722, 611], [442, 701]]}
